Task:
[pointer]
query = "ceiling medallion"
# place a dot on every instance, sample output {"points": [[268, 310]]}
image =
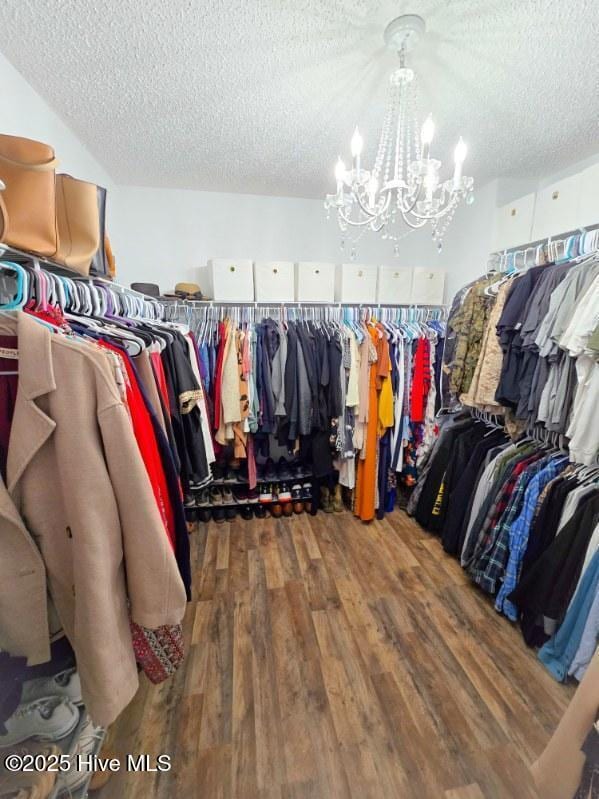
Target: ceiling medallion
{"points": [[404, 187]]}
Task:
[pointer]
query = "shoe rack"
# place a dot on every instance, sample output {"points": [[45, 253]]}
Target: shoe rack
{"points": [[293, 475]]}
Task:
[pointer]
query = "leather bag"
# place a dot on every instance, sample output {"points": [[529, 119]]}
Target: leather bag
{"points": [[28, 203], [99, 263], [78, 222], [110, 259]]}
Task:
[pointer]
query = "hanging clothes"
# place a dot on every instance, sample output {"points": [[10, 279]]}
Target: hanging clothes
{"points": [[89, 519], [534, 364], [366, 473], [328, 391], [523, 517]]}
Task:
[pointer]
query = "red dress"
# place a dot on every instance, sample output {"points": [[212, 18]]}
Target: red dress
{"points": [[421, 381], [146, 441]]}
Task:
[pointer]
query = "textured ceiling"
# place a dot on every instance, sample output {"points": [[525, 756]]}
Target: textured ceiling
{"points": [[260, 96]]}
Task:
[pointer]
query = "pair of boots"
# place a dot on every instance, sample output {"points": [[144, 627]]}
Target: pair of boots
{"points": [[330, 501]]}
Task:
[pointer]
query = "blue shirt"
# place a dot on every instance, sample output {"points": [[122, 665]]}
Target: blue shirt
{"points": [[491, 566], [588, 642], [519, 531], [558, 653]]}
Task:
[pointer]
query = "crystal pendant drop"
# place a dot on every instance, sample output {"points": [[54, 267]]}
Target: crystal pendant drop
{"points": [[439, 246]]}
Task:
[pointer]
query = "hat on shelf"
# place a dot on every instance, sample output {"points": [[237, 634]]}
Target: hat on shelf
{"points": [[151, 289], [188, 291]]}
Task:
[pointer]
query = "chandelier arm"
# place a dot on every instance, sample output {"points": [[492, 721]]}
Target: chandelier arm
{"points": [[353, 222], [438, 214], [379, 228], [410, 210], [413, 225], [385, 207], [373, 214]]}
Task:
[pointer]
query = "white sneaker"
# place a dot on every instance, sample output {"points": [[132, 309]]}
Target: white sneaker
{"points": [[65, 684], [48, 719], [88, 741]]}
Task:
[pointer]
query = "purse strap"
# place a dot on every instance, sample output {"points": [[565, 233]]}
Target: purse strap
{"points": [[45, 166], [3, 218]]}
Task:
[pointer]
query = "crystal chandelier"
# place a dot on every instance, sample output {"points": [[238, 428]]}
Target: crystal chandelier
{"points": [[404, 184]]}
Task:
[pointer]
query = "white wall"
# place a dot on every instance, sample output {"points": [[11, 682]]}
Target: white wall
{"points": [[25, 113], [572, 169], [166, 236]]}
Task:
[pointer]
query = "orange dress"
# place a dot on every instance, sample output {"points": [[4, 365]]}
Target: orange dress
{"points": [[366, 474]]}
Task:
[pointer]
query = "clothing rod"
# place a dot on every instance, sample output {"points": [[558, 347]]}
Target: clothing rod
{"points": [[123, 289], [273, 304], [545, 240], [64, 271]]}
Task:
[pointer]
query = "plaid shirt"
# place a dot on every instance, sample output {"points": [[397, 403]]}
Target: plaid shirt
{"points": [[490, 567], [518, 534], [486, 537]]}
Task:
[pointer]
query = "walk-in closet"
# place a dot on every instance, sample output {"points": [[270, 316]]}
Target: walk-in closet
{"points": [[299, 379]]}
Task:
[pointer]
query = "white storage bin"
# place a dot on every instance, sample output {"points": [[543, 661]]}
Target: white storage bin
{"points": [[556, 209], [232, 280], [394, 285], [314, 281], [355, 283], [273, 281], [588, 211], [428, 286], [513, 223]]}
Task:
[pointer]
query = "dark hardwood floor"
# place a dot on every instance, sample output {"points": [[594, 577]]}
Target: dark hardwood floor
{"points": [[328, 658]]}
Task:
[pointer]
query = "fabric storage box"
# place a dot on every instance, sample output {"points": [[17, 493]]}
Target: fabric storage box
{"points": [[588, 209], [556, 209], [356, 283], [513, 223], [428, 286], [314, 281], [394, 286], [232, 280], [273, 281]]}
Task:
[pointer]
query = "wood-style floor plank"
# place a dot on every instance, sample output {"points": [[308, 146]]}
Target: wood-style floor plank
{"points": [[327, 659], [467, 792], [243, 763]]}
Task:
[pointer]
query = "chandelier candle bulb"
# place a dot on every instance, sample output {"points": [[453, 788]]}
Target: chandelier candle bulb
{"points": [[426, 135], [459, 158], [356, 151], [430, 182]]}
